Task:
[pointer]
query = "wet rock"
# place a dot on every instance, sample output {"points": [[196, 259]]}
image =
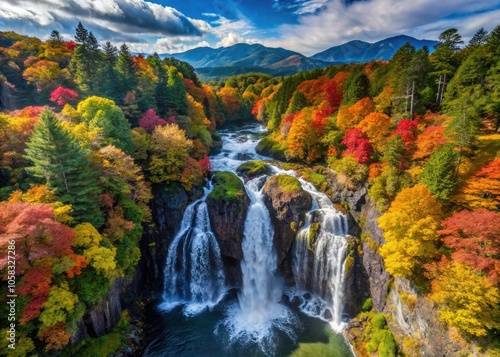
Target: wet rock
{"points": [[127, 350], [287, 203], [102, 318], [241, 156], [168, 206], [227, 209]]}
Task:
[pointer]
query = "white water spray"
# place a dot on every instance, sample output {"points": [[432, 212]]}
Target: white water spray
{"points": [[259, 316]]}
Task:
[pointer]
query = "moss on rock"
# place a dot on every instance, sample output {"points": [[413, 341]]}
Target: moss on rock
{"points": [[252, 168], [228, 187], [286, 184], [269, 146]]}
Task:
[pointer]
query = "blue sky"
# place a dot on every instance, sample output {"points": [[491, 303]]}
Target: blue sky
{"points": [[306, 26]]}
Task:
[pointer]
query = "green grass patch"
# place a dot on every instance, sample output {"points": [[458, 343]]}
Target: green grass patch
{"points": [[336, 347], [313, 232], [228, 188], [252, 168]]}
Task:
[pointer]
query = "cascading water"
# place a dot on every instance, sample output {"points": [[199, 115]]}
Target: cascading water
{"points": [[259, 314], [319, 256], [194, 273], [322, 240], [254, 322]]}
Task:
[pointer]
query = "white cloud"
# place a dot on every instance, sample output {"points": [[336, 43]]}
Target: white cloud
{"points": [[231, 32], [233, 39], [123, 18], [374, 20], [175, 45], [309, 6]]}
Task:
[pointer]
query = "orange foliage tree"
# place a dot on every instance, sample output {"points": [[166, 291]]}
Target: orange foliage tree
{"points": [[475, 237], [428, 141], [301, 139], [314, 90], [377, 127], [483, 188], [349, 117]]}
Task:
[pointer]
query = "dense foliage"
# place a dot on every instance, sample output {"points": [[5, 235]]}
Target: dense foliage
{"points": [[78, 168]]}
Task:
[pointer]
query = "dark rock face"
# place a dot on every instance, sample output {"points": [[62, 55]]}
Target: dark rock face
{"points": [[287, 211], [372, 261], [168, 206], [102, 318], [357, 287], [227, 220]]}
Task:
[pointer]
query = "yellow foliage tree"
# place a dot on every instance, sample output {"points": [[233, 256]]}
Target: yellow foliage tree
{"points": [[467, 299], [59, 305], [410, 230], [86, 236], [41, 194], [377, 127], [383, 101], [170, 148], [102, 259]]}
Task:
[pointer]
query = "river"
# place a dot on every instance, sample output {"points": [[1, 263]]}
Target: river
{"points": [[198, 316]]}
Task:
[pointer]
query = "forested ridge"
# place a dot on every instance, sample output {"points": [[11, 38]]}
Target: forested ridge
{"points": [[89, 131]]}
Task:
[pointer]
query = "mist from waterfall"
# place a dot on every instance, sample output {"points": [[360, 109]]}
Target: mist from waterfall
{"points": [[259, 315]]}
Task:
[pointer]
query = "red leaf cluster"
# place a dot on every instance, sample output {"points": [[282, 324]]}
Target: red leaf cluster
{"points": [[61, 96], [358, 145], [475, 237], [407, 130], [36, 233], [149, 121]]}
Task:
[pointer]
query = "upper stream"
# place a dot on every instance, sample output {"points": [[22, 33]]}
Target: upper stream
{"points": [[200, 316]]}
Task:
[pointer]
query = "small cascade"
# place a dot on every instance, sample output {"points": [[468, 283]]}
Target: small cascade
{"points": [[319, 255], [194, 273], [318, 263], [259, 314]]}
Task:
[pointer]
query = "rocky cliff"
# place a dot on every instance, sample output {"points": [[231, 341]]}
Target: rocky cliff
{"points": [[287, 203], [168, 206], [227, 208]]}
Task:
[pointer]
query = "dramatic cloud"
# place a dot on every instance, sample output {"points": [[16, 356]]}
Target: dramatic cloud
{"points": [[122, 18], [300, 7], [374, 20]]}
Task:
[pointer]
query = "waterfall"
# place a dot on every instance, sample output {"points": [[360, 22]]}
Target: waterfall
{"points": [[319, 255], [194, 274], [259, 314]]}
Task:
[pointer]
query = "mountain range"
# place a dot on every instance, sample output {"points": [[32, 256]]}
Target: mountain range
{"points": [[360, 51], [213, 63]]}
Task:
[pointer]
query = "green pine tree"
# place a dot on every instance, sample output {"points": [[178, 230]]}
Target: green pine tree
{"points": [[176, 92], [60, 162], [127, 73], [440, 172], [356, 87], [298, 102]]}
